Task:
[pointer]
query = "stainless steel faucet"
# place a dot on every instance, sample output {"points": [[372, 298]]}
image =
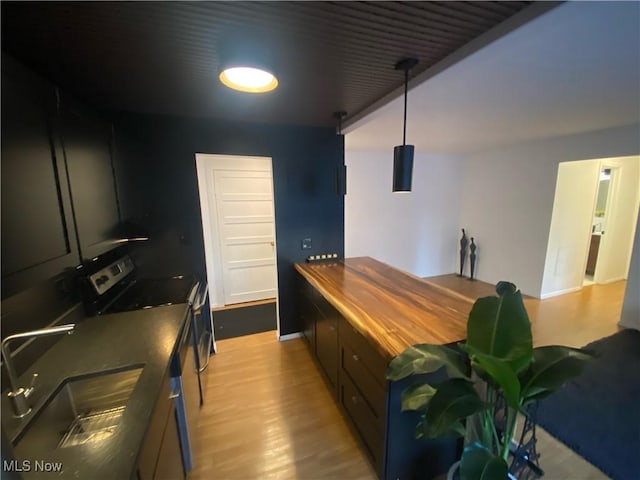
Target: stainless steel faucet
{"points": [[19, 395]]}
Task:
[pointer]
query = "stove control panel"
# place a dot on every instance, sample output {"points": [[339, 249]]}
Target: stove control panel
{"points": [[110, 275]]}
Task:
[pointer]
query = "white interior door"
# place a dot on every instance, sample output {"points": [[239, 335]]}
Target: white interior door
{"points": [[245, 218], [619, 220]]}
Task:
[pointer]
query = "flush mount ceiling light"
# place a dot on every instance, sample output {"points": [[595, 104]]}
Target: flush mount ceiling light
{"points": [[403, 154], [248, 79]]}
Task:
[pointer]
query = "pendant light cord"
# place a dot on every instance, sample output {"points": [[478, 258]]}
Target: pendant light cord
{"points": [[406, 85]]}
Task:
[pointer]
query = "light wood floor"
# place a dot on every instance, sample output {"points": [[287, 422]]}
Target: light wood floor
{"points": [[269, 415], [574, 319]]}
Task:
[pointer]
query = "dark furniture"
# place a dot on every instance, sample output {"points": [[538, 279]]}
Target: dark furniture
{"points": [[145, 444], [59, 199], [86, 142], [160, 453], [356, 315], [38, 232], [594, 246]]}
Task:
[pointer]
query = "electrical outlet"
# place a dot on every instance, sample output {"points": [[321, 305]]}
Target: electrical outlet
{"points": [[306, 244], [322, 257]]}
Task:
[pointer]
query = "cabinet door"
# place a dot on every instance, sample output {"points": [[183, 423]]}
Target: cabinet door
{"points": [[155, 433], [38, 236], [327, 342], [169, 457], [87, 148], [307, 312]]}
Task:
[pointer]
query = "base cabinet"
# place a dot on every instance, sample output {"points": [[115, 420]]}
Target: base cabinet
{"points": [[169, 465], [357, 407], [327, 346], [307, 312], [355, 372], [160, 457]]}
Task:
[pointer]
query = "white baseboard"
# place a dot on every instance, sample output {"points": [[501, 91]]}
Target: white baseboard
{"points": [[289, 336], [560, 292], [612, 280]]}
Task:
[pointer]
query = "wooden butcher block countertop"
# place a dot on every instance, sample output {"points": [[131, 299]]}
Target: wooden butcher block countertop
{"points": [[392, 308]]}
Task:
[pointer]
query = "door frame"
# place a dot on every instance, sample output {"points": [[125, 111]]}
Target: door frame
{"points": [[205, 163], [617, 169], [610, 209]]}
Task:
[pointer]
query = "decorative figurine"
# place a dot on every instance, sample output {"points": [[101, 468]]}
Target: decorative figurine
{"points": [[463, 251], [472, 257]]}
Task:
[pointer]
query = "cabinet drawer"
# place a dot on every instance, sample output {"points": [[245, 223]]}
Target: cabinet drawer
{"points": [[367, 354], [363, 419], [327, 349], [373, 394]]}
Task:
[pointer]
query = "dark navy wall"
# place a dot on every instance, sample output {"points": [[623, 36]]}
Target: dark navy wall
{"points": [[158, 187]]}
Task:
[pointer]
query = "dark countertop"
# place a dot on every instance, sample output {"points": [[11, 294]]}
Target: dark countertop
{"points": [[107, 342]]}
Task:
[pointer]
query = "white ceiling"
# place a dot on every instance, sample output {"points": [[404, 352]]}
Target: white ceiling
{"points": [[574, 69]]}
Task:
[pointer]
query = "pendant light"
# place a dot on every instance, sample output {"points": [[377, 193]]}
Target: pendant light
{"points": [[403, 154], [341, 169]]}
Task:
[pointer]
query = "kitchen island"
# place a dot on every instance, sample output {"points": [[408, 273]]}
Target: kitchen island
{"points": [[356, 315], [121, 342]]}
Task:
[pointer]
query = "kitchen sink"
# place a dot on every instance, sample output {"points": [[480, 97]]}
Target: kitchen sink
{"points": [[82, 410]]}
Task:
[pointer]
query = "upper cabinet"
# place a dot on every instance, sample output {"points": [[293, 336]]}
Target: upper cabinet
{"points": [[59, 201], [38, 231], [86, 141]]}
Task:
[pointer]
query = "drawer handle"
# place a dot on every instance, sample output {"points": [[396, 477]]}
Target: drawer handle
{"points": [[332, 328], [356, 357], [354, 399], [174, 395]]}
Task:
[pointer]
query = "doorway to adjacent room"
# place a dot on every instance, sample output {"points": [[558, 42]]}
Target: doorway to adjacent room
{"points": [[599, 222], [592, 224], [238, 222]]}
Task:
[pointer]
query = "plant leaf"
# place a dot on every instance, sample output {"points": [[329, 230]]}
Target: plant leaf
{"points": [[456, 430], [424, 358], [453, 401], [552, 366], [478, 463], [416, 397], [500, 372], [500, 327]]}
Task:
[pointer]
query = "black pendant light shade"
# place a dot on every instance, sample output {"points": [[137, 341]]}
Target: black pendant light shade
{"points": [[341, 180], [341, 169], [402, 168], [403, 154]]}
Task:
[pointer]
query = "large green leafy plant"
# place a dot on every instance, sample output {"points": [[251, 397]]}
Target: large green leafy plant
{"points": [[508, 371]]}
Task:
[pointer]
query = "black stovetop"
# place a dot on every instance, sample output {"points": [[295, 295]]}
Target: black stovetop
{"points": [[153, 292]]}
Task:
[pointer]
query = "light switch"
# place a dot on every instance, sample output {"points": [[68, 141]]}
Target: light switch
{"points": [[306, 243]]}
